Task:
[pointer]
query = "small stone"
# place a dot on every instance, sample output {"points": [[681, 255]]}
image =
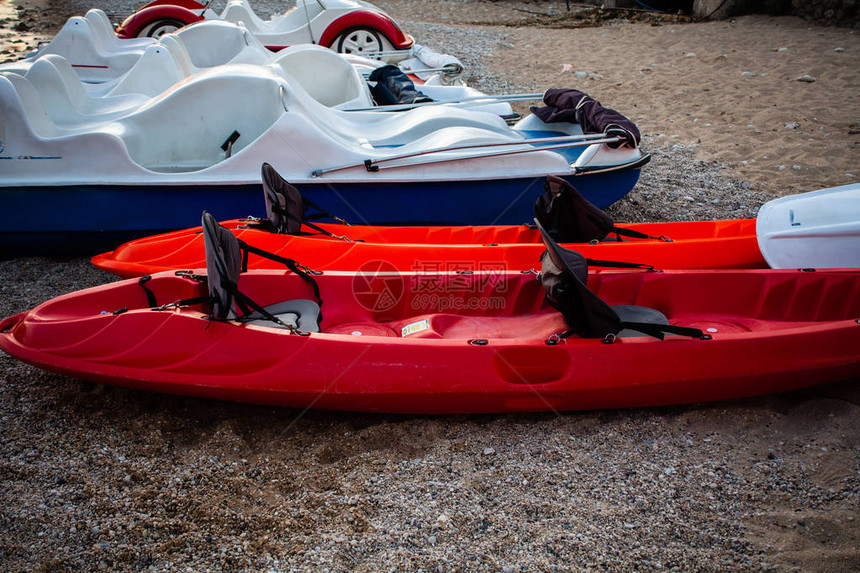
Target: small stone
{"points": [[806, 78], [749, 74], [783, 49], [791, 125], [688, 198], [745, 185], [431, 540], [839, 49], [581, 75], [691, 55], [796, 167], [781, 167], [489, 451]]}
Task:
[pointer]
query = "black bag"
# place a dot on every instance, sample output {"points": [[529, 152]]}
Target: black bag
{"points": [[394, 87]]}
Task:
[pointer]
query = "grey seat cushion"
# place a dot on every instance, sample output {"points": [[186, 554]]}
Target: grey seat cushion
{"points": [[302, 314], [631, 313]]}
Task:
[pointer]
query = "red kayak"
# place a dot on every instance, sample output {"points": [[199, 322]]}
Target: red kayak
{"points": [[451, 342], [700, 244]]}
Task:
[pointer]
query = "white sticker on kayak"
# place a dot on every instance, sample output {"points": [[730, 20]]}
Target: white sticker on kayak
{"points": [[419, 326]]}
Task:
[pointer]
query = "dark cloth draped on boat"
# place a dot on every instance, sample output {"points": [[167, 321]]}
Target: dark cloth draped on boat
{"points": [[574, 106], [394, 87]]}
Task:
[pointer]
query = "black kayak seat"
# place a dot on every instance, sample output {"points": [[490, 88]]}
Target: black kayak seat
{"points": [[284, 206], [223, 268], [564, 275]]}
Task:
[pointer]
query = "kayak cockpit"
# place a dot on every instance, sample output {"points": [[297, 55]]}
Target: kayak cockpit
{"points": [[501, 311]]}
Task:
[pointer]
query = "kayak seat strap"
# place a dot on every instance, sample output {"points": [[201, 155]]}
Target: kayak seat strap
{"points": [[224, 265], [150, 296], [637, 315], [300, 314], [291, 264]]}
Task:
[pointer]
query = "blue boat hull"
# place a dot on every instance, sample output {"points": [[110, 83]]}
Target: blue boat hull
{"points": [[83, 219]]}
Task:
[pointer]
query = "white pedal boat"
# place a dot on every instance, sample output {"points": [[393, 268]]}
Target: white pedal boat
{"points": [[343, 25], [329, 78], [201, 143], [97, 55]]}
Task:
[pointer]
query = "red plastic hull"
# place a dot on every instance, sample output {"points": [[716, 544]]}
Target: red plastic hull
{"points": [[700, 244], [772, 331]]}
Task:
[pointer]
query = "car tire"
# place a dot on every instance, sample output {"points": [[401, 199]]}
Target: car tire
{"points": [[160, 27], [359, 41]]}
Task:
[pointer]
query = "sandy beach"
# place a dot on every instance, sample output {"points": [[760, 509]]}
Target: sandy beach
{"points": [[97, 478]]}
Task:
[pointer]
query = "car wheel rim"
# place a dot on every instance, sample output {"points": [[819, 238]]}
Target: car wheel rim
{"points": [[159, 31], [361, 42]]}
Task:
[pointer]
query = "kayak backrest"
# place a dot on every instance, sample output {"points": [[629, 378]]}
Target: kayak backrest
{"points": [[284, 207], [223, 265], [564, 275], [567, 216]]}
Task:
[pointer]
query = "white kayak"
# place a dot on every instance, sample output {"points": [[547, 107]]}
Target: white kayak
{"points": [[820, 229]]}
